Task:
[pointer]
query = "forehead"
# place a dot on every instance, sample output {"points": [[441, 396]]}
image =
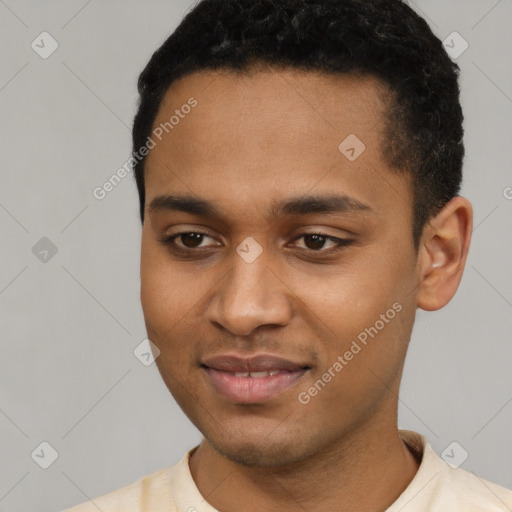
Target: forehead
{"points": [[267, 132], [300, 106]]}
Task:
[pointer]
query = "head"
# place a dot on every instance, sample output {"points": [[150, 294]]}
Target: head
{"points": [[299, 199]]}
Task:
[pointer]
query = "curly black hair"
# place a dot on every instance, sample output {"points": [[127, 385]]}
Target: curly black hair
{"points": [[382, 38]]}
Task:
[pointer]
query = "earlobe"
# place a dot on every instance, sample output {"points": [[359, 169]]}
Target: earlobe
{"points": [[443, 251]]}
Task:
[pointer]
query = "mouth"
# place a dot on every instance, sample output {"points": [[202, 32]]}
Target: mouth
{"points": [[252, 380]]}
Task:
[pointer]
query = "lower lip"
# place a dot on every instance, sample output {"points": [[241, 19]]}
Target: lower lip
{"points": [[252, 390]]}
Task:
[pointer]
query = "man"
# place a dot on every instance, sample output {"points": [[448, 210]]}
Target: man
{"points": [[298, 164]]}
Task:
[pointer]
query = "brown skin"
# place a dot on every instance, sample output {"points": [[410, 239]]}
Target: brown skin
{"points": [[251, 140]]}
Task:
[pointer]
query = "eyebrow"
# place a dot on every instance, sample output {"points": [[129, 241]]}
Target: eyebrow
{"points": [[300, 205]]}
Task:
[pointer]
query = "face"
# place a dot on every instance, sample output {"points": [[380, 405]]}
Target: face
{"points": [[278, 268]]}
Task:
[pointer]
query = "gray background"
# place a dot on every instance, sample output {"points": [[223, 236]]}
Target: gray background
{"points": [[69, 325]]}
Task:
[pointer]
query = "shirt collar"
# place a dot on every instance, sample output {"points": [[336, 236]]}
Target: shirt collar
{"points": [[188, 498]]}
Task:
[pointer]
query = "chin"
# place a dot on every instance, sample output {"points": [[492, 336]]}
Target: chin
{"points": [[263, 447], [262, 454]]}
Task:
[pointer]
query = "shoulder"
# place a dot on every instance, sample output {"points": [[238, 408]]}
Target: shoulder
{"points": [[462, 488], [152, 492], [438, 486]]}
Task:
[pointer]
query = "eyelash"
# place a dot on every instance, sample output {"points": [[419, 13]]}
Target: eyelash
{"points": [[168, 241]]}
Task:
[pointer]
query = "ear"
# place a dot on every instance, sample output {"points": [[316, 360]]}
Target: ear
{"points": [[443, 250]]}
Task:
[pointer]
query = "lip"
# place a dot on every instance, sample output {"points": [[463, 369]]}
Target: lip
{"points": [[256, 363], [221, 370]]}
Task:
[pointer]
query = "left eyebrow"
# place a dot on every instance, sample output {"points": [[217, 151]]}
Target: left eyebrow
{"points": [[300, 205], [326, 204], [184, 203]]}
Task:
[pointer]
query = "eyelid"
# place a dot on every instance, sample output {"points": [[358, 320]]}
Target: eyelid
{"points": [[340, 242], [168, 240]]}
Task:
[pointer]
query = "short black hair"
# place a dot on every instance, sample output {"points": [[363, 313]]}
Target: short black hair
{"points": [[382, 38]]}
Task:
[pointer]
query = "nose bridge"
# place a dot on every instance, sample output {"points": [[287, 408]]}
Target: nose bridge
{"points": [[249, 296]]}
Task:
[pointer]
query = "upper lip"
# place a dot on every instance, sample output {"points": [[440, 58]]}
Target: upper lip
{"points": [[256, 363]]}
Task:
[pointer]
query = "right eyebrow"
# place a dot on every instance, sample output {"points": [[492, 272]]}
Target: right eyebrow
{"points": [[300, 205]]}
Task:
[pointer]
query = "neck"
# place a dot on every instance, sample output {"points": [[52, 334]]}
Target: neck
{"points": [[366, 470]]}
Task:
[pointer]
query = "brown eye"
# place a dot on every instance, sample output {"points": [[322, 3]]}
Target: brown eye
{"points": [[315, 242], [191, 239]]}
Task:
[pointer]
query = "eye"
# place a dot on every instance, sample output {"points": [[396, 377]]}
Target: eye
{"points": [[189, 240], [316, 241]]}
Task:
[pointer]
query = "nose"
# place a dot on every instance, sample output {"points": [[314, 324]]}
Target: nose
{"points": [[248, 296]]}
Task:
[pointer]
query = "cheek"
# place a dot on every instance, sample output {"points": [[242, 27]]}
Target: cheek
{"points": [[365, 311], [164, 303], [353, 297], [163, 291], [172, 296]]}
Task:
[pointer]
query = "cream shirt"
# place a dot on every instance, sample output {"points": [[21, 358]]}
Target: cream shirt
{"points": [[436, 487]]}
